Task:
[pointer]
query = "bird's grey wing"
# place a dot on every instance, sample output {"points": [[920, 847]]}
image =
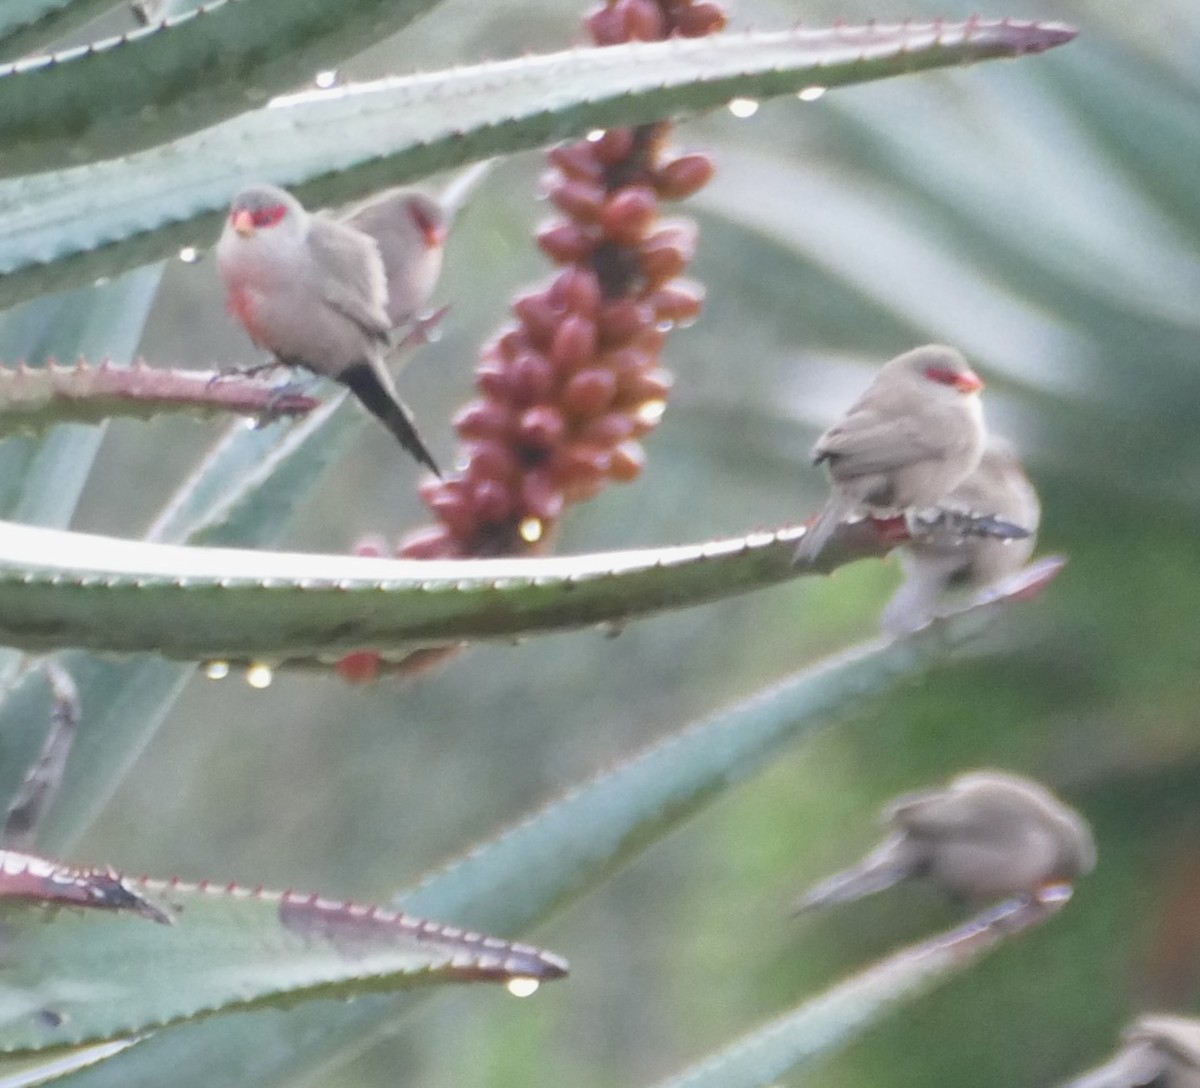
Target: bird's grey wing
{"points": [[864, 444], [936, 812], [353, 280]]}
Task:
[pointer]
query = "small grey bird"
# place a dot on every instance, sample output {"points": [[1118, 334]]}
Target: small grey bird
{"points": [[410, 229], [913, 436], [314, 292], [1163, 1051], [934, 566], [988, 835]]}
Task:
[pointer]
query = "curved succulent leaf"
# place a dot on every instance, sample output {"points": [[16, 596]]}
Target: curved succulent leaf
{"points": [[76, 973], [829, 1021], [193, 70], [29, 1070], [553, 856], [61, 590], [74, 225], [32, 398]]}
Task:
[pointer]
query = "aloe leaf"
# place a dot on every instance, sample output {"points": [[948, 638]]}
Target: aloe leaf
{"points": [[27, 25], [28, 1071], [555, 855], [73, 225], [826, 1023], [194, 70], [61, 590], [41, 480], [33, 398], [127, 702], [81, 973]]}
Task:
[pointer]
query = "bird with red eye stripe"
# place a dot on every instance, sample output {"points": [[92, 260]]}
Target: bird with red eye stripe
{"points": [[908, 441], [325, 294]]}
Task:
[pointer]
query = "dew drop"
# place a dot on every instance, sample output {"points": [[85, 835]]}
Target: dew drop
{"points": [[523, 987], [743, 107], [189, 254], [595, 135], [259, 675], [811, 94], [651, 411], [326, 79], [531, 530], [664, 325], [216, 670]]}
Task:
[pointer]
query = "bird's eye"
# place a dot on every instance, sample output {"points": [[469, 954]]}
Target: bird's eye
{"points": [[268, 217], [965, 381], [433, 231]]}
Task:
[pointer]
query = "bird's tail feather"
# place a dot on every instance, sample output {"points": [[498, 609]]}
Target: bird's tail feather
{"points": [[840, 506], [882, 869], [367, 382]]}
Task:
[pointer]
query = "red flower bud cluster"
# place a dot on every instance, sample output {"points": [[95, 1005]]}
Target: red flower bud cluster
{"points": [[568, 389]]}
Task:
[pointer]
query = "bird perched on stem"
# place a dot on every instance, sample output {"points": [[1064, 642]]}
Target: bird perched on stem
{"points": [[987, 835], [935, 565], [316, 292], [906, 442]]}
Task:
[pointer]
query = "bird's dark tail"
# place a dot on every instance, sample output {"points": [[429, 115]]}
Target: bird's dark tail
{"points": [[366, 383]]}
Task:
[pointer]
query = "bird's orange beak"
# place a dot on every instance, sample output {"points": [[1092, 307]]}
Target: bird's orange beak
{"points": [[435, 235], [970, 382], [243, 222]]}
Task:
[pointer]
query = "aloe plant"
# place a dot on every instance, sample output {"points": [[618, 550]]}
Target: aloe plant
{"points": [[1041, 217]]}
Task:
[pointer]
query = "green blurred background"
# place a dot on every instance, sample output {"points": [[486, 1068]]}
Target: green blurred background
{"points": [[1042, 215]]}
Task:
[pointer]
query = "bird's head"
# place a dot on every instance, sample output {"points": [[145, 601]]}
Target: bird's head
{"points": [[939, 366], [264, 208]]}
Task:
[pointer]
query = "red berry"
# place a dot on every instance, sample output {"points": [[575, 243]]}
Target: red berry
{"points": [[680, 303], [684, 176], [434, 542], [628, 460], [590, 392], [483, 419], [616, 145], [492, 379], [667, 252], [539, 317], [454, 511], [540, 496], [628, 213], [644, 20], [493, 502], [697, 20], [622, 319], [491, 460], [566, 243], [541, 427], [607, 430], [578, 290], [582, 200], [574, 343], [606, 26], [532, 378], [578, 161], [360, 667]]}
